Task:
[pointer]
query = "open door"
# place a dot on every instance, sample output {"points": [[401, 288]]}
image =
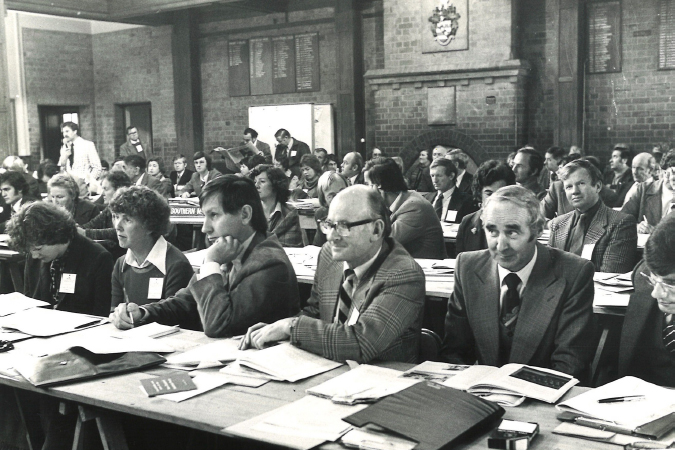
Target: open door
{"points": [[51, 118]]}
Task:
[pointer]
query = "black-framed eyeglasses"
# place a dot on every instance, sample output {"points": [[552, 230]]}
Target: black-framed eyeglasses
{"points": [[342, 228], [6, 346]]}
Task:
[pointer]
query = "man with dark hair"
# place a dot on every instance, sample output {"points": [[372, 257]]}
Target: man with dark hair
{"points": [[449, 202], [322, 155], [246, 277], [291, 148], [551, 161], [593, 231], [367, 300], [414, 221], [620, 178], [461, 160], [418, 176], [527, 165], [352, 168], [78, 156], [653, 200], [255, 146], [134, 146], [520, 301], [204, 173], [135, 169], [647, 344]]}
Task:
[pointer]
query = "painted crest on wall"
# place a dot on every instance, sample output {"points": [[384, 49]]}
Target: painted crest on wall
{"points": [[444, 22], [446, 25]]}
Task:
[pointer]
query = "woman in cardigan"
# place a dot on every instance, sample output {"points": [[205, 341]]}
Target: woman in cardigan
{"points": [[282, 220], [152, 269], [156, 169], [64, 192]]}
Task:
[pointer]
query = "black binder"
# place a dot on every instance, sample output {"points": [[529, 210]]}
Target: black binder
{"points": [[430, 414]]}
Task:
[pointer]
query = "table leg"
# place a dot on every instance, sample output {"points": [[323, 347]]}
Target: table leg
{"points": [[34, 433], [109, 428]]}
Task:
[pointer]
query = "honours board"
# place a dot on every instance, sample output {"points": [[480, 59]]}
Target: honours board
{"points": [[604, 37]]}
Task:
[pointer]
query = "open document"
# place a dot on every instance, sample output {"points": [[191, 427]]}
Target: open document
{"points": [[48, 322], [215, 354], [16, 301]]}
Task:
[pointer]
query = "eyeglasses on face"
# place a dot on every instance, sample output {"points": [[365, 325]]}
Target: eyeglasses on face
{"points": [[342, 228], [651, 279]]}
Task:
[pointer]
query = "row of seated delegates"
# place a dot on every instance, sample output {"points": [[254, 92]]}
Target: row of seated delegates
{"points": [[290, 149], [135, 170], [322, 155], [490, 177], [64, 192], [152, 268], [330, 183], [246, 277], [450, 203], [520, 301], [652, 200], [282, 219], [203, 174], [181, 174], [311, 171], [155, 169], [367, 301], [15, 193], [331, 164], [413, 220], [619, 177], [418, 176]]}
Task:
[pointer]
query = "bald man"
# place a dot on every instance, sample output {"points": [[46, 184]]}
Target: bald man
{"points": [[643, 167]]}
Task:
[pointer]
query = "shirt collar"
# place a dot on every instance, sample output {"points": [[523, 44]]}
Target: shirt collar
{"points": [[458, 180], [448, 193], [523, 274], [17, 205], [140, 180], [156, 257], [277, 208], [397, 203], [361, 270], [242, 250], [206, 177]]}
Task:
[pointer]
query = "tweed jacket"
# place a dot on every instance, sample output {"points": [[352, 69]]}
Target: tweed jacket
{"points": [[286, 225], [194, 186], [613, 233], [556, 204], [471, 235], [645, 202], [460, 202], [86, 163], [465, 184], [621, 188], [554, 327], [93, 266], [641, 350], [127, 149], [414, 225], [264, 289], [390, 302]]}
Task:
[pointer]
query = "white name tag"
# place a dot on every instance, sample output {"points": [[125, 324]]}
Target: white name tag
{"points": [[139, 148], [155, 288], [293, 153], [587, 252], [67, 283], [354, 317], [450, 216]]}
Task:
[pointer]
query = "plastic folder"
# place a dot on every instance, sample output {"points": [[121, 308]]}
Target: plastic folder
{"points": [[430, 414]]}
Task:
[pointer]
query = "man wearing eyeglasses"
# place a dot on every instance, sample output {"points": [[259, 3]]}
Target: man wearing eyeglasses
{"points": [[647, 346], [367, 300]]}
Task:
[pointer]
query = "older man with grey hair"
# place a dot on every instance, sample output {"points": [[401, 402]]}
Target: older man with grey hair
{"points": [[520, 301], [643, 167], [461, 161]]}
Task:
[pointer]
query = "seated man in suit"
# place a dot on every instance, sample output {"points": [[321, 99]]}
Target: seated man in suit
{"points": [[135, 169], [181, 174], [653, 200], [527, 165], [291, 148], [255, 146], [647, 344], [490, 176], [620, 178], [367, 300], [520, 301], [246, 276], [593, 231], [352, 168], [204, 173], [450, 203], [461, 161], [414, 223]]}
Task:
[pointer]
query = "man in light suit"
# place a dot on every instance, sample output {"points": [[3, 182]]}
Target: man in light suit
{"points": [[255, 146], [78, 156], [135, 169], [134, 146], [204, 173], [414, 223], [367, 300], [593, 231], [291, 148], [450, 203], [520, 301]]}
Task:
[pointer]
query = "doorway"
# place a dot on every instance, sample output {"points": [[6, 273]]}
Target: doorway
{"points": [[138, 115], [51, 118]]}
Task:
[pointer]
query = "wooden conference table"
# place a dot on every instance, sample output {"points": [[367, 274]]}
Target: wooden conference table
{"points": [[228, 405]]}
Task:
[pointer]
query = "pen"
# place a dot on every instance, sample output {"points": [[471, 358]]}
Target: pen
{"points": [[627, 398], [126, 301]]}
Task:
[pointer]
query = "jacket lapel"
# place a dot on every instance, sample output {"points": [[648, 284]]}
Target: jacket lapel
{"points": [[564, 230], [330, 289], [598, 226], [486, 314], [653, 203]]}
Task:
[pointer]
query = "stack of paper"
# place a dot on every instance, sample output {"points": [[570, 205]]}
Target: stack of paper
{"points": [[48, 322], [613, 282], [16, 301], [434, 371], [287, 362], [151, 330], [214, 354]]}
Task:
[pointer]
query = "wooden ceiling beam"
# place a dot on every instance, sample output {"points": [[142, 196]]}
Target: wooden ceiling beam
{"points": [[123, 9], [83, 9]]}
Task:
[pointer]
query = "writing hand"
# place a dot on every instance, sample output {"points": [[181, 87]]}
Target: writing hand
{"points": [[644, 228], [121, 317], [223, 251]]}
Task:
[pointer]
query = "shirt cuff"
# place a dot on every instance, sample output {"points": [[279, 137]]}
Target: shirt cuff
{"points": [[209, 268], [144, 313]]}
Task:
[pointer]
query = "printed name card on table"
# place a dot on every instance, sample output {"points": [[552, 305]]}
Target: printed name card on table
{"points": [[176, 382]]}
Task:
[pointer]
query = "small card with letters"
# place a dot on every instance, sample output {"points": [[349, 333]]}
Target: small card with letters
{"points": [[176, 382], [67, 285], [155, 286]]}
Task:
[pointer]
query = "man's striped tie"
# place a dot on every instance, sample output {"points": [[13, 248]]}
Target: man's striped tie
{"points": [[669, 337], [345, 303]]}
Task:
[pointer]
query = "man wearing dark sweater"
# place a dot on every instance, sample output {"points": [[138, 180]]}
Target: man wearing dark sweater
{"points": [[246, 277]]}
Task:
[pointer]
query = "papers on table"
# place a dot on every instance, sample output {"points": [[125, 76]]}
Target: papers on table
{"points": [[94, 342], [613, 282], [48, 322], [16, 301], [434, 371], [152, 330], [204, 383], [304, 260], [237, 370], [373, 439], [363, 384], [431, 267], [12, 336], [287, 362], [214, 354], [642, 240]]}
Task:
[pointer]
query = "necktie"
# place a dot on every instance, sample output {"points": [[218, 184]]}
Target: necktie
{"points": [[438, 205], [511, 303], [669, 337], [578, 234], [345, 302], [55, 273]]}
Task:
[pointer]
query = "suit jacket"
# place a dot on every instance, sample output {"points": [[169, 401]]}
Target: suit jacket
{"points": [[194, 186], [554, 327], [641, 350], [86, 163], [93, 266], [294, 154], [414, 225], [261, 147], [85, 211], [127, 149], [613, 233], [645, 202], [471, 235], [460, 202], [187, 174], [465, 184], [390, 302], [419, 179], [285, 224], [621, 188], [265, 289], [556, 204]]}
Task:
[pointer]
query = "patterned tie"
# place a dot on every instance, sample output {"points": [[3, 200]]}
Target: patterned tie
{"points": [[55, 273], [511, 303], [345, 302], [669, 337], [438, 205], [578, 235]]}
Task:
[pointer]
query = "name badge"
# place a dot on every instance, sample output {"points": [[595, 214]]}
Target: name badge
{"points": [[155, 288], [67, 285], [293, 153], [450, 216], [587, 252], [354, 317], [139, 149]]}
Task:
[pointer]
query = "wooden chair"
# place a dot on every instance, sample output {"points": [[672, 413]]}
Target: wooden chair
{"points": [[430, 345]]}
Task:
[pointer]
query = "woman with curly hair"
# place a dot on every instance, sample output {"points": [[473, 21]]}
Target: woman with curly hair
{"points": [[282, 220], [152, 269], [311, 171], [64, 192]]}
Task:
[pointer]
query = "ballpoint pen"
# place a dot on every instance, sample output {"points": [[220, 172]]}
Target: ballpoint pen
{"points": [[627, 398], [126, 301]]}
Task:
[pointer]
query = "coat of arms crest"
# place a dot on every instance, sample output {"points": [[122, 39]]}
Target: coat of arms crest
{"points": [[444, 22]]}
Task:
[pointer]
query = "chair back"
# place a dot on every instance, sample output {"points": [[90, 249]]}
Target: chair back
{"points": [[430, 345]]}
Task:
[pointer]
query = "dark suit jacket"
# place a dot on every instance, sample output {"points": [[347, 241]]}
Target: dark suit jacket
{"points": [[294, 154], [641, 350], [645, 202], [151, 182], [390, 301], [93, 266], [194, 186], [85, 211], [556, 203], [414, 225], [613, 233], [465, 184], [554, 327], [187, 174], [471, 235], [262, 147], [127, 149], [460, 202], [621, 188]]}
